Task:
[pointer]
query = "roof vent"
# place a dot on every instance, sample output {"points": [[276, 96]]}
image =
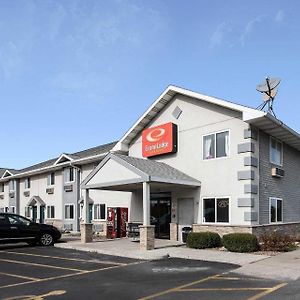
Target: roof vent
{"points": [[176, 112]]}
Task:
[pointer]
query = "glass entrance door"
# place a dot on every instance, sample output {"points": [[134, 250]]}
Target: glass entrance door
{"points": [[160, 213]]}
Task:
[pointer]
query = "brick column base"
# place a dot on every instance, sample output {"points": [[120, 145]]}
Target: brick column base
{"points": [[147, 237], [86, 231], [173, 231]]}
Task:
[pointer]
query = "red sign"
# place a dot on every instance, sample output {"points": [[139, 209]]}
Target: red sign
{"points": [[159, 140]]}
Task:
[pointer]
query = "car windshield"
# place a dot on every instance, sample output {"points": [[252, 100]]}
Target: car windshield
{"points": [[18, 220]]}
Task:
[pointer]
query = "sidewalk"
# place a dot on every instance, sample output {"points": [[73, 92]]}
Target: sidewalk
{"points": [[164, 248], [284, 266]]}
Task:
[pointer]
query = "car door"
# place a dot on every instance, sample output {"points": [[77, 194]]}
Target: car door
{"points": [[23, 228], [4, 227]]}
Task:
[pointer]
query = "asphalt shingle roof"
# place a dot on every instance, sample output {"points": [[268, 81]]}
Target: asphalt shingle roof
{"points": [[156, 169], [77, 155]]}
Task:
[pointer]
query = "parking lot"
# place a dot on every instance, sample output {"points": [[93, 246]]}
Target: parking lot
{"points": [[52, 273]]}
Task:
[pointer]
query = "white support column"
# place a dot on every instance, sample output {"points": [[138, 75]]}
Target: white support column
{"points": [[146, 230], [38, 213], [86, 207], [146, 203], [86, 228]]}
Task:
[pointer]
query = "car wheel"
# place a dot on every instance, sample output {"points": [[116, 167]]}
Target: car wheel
{"points": [[46, 239]]}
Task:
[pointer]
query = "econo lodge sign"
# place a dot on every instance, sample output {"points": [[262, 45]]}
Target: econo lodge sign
{"points": [[159, 140]]}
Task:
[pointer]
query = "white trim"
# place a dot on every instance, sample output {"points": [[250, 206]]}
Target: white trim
{"points": [[215, 134], [63, 156], [168, 94], [215, 198], [7, 172], [270, 201]]}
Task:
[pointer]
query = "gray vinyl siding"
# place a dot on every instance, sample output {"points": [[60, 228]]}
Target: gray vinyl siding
{"points": [[287, 188]]}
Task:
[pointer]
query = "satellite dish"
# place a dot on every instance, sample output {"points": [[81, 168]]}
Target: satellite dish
{"points": [[269, 91]]}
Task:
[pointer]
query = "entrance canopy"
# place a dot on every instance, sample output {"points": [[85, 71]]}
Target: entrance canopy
{"points": [[124, 173], [34, 200]]}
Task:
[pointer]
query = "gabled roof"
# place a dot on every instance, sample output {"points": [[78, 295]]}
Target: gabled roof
{"points": [[77, 157], [7, 172], [161, 102], [146, 169], [258, 118]]}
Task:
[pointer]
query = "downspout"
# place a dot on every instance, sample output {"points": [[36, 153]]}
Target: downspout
{"points": [[79, 193]]}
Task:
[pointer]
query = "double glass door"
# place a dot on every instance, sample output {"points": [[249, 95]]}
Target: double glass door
{"points": [[160, 212]]}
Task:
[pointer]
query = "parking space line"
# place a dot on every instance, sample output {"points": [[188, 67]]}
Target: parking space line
{"points": [[66, 258], [227, 278], [66, 276], [267, 292], [223, 289], [175, 289], [19, 276], [40, 265]]}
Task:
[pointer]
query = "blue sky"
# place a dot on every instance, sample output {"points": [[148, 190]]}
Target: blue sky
{"points": [[76, 74]]}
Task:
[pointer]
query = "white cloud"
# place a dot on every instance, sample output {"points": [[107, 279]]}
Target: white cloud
{"points": [[250, 26], [219, 34], [279, 16]]}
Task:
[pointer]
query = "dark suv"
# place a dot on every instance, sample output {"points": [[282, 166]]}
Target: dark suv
{"points": [[15, 228]]}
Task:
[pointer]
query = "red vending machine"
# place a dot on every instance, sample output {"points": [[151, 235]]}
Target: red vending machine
{"points": [[116, 222]]}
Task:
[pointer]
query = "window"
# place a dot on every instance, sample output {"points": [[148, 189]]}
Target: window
{"points": [[51, 212], [12, 185], [275, 152], [51, 179], [13, 209], [18, 220], [275, 210], [216, 145], [1, 187], [99, 211], [27, 183], [216, 210], [6, 209], [28, 212], [69, 211], [69, 175]]}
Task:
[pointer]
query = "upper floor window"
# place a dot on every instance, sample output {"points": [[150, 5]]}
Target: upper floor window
{"points": [[1, 187], [275, 210], [27, 183], [216, 145], [12, 185], [275, 152], [69, 175], [51, 179]]}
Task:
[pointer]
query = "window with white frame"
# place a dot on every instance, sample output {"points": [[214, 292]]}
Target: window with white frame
{"points": [[50, 212], [216, 210], [27, 183], [275, 210], [1, 187], [69, 175], [51, 179], [6, 209], [12, 185], [69, 211], [275, 152], [216, 145], [99, 211], [27, 211], [12, 209]]}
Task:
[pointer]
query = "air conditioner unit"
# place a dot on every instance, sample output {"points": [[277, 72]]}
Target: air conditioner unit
{"points": [[26, 193], [277, 172], [68, 188], [50, 190]]}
